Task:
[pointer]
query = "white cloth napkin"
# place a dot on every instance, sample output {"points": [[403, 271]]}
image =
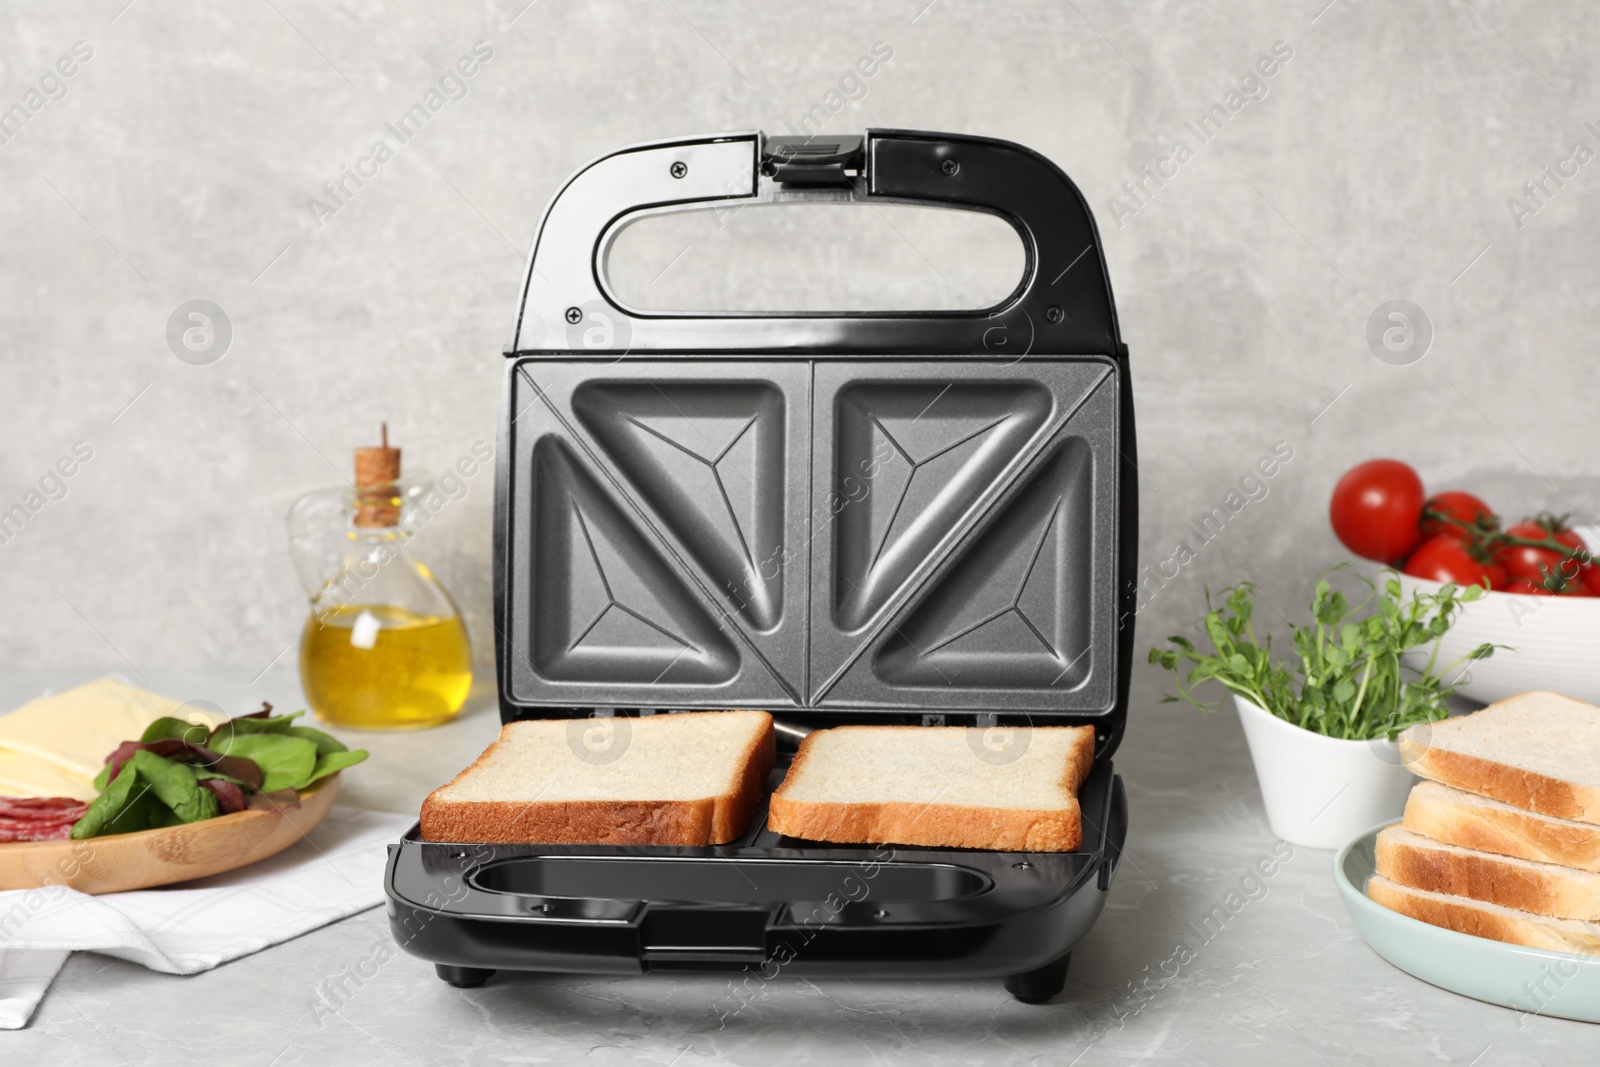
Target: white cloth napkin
{"points": [[335, 872]]}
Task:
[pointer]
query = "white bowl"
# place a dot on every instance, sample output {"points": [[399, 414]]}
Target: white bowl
{"points": [[1321, 791], [1553, 644]]}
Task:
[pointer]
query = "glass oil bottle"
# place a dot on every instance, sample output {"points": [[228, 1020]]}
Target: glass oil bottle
{"points": [[383, 647]]}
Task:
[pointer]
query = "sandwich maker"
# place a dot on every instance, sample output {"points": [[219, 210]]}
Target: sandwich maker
{"points": [[923, 518]]}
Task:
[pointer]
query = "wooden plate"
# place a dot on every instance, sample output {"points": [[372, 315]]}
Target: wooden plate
{"points": [[119, 862]]}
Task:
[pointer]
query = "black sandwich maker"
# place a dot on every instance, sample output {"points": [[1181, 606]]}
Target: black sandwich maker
{"points": [[922, 518]]}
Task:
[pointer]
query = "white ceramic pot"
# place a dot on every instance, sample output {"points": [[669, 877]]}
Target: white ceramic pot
{"points": [[1321, 791], [1548, 642]]}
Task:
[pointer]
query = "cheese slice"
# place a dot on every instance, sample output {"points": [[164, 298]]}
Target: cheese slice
{"points": [[30, 776], [75, 731]]}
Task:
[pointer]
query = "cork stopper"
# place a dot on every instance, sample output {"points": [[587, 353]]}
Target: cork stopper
{"points": [[377, 499]]}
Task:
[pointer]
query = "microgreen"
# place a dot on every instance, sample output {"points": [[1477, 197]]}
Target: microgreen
{"points": [[1349, 681]]}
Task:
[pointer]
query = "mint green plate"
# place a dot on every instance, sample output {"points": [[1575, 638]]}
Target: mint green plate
{"points": [[1530, 980]]}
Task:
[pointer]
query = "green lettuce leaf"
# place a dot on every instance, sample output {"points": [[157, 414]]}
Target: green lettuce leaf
{"points": [[276, 724], [325, 743], [286, 762], [169, 727], [333, 763], [148, 792]]}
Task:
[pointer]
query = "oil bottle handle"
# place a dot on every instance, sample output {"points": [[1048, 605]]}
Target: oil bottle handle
{"points": [[317, 524], [1062, 306]]}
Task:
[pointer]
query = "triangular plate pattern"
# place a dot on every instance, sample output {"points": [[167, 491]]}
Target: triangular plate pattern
{"points": [[607, 607], [1013, 610], [709, 459], [911, 459]]}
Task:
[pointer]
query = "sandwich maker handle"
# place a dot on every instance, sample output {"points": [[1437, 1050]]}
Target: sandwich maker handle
{"points": [[1116, 832], [1063, 304]]}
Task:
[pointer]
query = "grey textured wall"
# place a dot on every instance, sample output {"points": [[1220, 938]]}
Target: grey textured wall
{"points": [[176, 163]]}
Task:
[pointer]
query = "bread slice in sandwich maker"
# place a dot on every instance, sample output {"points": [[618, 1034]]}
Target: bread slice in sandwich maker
{"points": [[687, 779], [1012, 789]]}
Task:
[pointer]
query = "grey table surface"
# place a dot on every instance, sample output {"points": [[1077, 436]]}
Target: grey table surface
{"points": [[1286, 980]]}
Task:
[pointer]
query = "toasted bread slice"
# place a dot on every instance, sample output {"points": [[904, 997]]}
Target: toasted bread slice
{"points": [[1419, 862], [688, 779], [1538, 751], [1480, 919], [1012, 789], [1475, 822]]}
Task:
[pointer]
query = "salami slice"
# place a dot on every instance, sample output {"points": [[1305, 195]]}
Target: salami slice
{"points": [[36, 833], [39, 802], [33, 825], [38, 818]]}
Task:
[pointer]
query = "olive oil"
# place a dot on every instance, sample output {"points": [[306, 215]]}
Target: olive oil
{"points": [[384, 646], [381, 666]]}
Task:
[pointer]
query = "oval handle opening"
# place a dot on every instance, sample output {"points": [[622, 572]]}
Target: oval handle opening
{"points": [[815, 257]]}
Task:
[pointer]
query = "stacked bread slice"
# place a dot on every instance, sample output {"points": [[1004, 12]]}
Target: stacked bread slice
{"points": [[1503, 841]]}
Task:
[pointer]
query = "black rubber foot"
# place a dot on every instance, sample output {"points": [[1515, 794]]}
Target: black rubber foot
{"points": [[1036, 987], [469, 977]]}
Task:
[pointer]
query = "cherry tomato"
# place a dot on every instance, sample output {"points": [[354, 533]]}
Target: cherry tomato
{"points": [[1590, 576], [1556, 529], [1572, 570], [1376, 509], [1533, 563], [1462, 507], [1526, 588], [1445, 559]]}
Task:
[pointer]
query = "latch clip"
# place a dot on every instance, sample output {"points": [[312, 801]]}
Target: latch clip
{"points": [[813, 160]]}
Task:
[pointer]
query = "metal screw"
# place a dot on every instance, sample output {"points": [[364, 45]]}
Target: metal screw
{"points": [[574, 316], [881, 913], [544, 907], [1053, 313], [1023, 866], [458, 855], [950, 167], [680, 169]]}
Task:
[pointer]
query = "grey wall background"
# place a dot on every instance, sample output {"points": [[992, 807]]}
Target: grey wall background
{"points": [[179, 161]]}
